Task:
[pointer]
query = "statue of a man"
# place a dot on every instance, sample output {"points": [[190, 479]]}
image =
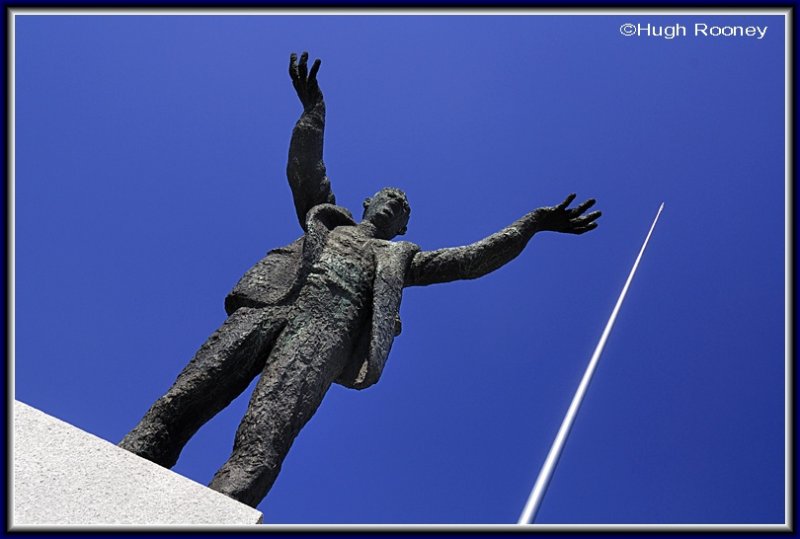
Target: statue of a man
{"points": [[322, 309]]}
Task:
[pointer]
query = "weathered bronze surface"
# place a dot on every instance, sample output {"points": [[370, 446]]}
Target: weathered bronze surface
{"points": [[322, 309]]}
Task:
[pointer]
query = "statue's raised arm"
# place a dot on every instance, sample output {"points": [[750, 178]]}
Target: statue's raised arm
{"points": [[305, 169], [484, 256]]}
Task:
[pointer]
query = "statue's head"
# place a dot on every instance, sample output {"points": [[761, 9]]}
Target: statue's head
{"points": [[389, 211]]}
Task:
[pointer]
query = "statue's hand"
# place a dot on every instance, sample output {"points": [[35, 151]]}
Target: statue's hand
{"points": [[572, 221], [305, 82]]}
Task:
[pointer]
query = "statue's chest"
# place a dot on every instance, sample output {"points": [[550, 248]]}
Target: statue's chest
{"points": [[347, 261]]}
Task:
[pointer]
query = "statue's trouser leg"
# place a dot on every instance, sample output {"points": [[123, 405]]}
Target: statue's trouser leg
{"points": [[222, 368], [305, 361]]}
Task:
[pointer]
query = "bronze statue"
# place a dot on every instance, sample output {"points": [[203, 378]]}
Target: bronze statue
{"points": [[322, 309]]}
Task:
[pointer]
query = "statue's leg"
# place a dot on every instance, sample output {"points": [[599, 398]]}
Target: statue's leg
{"points": [[222, 368], [305, 361]]}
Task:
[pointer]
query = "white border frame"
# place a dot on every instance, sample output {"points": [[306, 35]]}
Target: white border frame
{"points": [[788, 524]]}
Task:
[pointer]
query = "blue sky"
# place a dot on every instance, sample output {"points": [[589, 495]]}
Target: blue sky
{"points": [[150, 174]]}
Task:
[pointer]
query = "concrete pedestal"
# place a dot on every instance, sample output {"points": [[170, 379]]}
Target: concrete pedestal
{"points": [[65, 476]]}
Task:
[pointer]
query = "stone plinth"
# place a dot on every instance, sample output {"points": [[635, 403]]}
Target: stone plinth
{"points": [[65, 476]]}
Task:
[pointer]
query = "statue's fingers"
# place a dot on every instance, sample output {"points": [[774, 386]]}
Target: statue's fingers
{"points": [[567, 201], [587, 218], [302, 67], [312, 76], [584, 229], [293, 66], [583, 207]]}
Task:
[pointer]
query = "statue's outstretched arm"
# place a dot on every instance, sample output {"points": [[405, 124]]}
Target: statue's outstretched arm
{"points": [[482, 257], [306, 170]]}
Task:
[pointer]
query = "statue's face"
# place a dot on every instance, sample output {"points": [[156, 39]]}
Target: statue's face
{"points": [[389, 211]]}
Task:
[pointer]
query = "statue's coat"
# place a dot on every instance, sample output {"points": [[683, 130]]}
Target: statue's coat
{"points": [[277, 278]]}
